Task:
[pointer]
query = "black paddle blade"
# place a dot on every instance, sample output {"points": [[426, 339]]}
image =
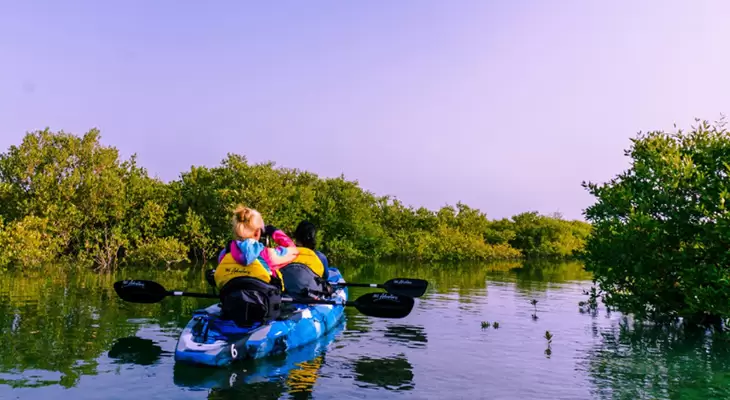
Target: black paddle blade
{"points": [[384, 305], [140, 291], [406, 287]]}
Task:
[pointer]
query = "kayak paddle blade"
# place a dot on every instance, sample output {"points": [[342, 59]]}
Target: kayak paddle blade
{"points": [[406, 287], [384, 305], [140, 291]]}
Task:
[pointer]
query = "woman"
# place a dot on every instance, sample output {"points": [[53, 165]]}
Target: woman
{"points": [[305, 236], [248, 274], [306, 276]]}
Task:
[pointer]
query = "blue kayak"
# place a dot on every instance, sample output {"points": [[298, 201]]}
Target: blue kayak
{"points": [[208, 340], [298, 366]]}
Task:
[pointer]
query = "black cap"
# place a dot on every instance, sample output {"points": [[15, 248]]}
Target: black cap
{"points": [[306, 234]]}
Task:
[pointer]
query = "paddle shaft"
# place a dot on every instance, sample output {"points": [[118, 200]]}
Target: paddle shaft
{"points": [[402, 286], [283, 300], [314, 301], [372, 285], [192, 294], [381, 305]]}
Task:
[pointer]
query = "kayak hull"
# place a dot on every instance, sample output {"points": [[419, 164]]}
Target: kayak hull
{"points": [[298, 366], [206, 340]]}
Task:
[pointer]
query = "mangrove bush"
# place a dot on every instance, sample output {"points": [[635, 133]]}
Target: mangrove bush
{"points": [[71, 198], [661, 230]]}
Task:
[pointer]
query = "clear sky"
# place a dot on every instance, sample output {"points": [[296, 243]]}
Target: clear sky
{"points": [[505, 105]]}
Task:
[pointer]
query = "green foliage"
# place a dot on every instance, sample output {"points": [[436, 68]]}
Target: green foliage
{"points": [[95, 204], [157, 252], [26, 243], [661, 229], [195, 232], [63, 196], [543, 236]]}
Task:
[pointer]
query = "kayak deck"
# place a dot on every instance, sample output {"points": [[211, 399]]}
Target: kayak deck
{"points": [[208, 340]]}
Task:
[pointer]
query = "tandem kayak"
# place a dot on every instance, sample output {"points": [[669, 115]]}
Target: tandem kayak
{"points": [[298, 366], [208, 340]]}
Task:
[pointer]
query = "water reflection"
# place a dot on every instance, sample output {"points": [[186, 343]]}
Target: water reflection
{"points": [[135, 350], [391, 373], [271, 390], [356, 322], [59, 328], [468, 278], [443, 278], [55, 325], [411, 336], [52, 330], [295, 373], [637, 361], [538, 276]]}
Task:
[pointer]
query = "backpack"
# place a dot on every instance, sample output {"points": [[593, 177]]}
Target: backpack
{"points": [[248, 301], [301, 283]]}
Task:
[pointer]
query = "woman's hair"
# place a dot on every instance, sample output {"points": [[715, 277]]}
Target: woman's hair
{"points": [[306, 235], [245, 222]]}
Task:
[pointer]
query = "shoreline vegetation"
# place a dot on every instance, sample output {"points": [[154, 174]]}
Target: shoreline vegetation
{"points": [[659, 246], [68, 199]]}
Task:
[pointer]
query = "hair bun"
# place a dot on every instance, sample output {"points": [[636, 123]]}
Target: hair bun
{"points": [[243, 214], [245, 222]]}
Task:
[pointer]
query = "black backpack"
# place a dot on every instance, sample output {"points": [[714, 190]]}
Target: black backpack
{"points": [[300, 282], [247, 301]]}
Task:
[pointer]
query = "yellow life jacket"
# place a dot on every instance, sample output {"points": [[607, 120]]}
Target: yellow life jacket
{"points": [[228, 268], [309, 258]]}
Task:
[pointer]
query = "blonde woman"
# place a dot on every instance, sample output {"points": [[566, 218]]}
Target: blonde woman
{"points": [[248, 274]]}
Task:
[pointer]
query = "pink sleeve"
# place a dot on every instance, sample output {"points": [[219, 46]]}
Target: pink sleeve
{"points": [[282, 255], [282, 239]]}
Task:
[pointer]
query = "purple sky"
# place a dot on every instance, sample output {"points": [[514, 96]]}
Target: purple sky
{"points": [[506, 106]]}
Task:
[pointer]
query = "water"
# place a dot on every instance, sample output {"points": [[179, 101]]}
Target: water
{"points": [[69, 335]]}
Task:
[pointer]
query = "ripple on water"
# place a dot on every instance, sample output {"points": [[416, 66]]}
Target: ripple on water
{"points": [[412, 336]]}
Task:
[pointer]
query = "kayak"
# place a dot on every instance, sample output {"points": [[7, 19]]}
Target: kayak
{"points": [[209, 340], [298, 366]]}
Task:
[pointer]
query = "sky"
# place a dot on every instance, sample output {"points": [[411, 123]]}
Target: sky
{"points": [[506, 105]]}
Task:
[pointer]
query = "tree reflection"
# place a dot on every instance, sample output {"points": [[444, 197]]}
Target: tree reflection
{"points": [[271, 390], [391, 373], [637, 361], [135, 350], [465, 278], [412, 336], [57, 324], [52, 324]]}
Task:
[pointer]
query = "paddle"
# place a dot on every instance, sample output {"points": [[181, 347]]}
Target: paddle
{"points": [[381, 305], [403, 286], [400, 286]]}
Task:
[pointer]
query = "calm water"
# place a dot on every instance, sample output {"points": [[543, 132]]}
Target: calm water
{"points": [[69, 335]]}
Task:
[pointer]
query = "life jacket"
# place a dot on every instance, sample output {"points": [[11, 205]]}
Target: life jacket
{"points": [[229, 268], [305, 276], [249, 294]]}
